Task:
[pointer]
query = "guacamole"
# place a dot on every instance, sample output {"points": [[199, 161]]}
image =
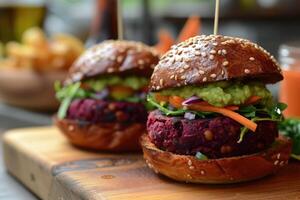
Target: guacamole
{"points": [[223, 93], [133, 82]]}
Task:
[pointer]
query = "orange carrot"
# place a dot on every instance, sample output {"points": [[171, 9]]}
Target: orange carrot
{"points": [[159, 98], [229, 113], [165, 41], [176, 101], [232, 107], [190, 29], [252, 100]]}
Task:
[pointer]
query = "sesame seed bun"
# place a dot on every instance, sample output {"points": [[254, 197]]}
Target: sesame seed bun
{"points": [[217, 171], [111, 137], [203, 59], [114, 57]]}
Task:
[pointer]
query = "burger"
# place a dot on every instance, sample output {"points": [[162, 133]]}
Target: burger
{"points": [[215, 122], [103, 98]]}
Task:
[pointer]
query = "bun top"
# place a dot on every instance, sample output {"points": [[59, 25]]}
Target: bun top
{"points": [[114, 57], [203, 59]]}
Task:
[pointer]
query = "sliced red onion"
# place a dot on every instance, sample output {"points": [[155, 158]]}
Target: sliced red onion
{"points": [[191, 100], [189, 115], [101, 95]]}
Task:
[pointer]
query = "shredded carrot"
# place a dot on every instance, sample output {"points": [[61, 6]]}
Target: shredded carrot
{"points": [[232, 107], [205, 103], [191, 28], [159, 98], [252, 100], [165, 41], [176, 101], [226, 112]]}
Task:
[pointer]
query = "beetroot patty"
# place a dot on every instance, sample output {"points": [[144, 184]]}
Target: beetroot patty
{"points": [[216, 137], [95, 111]]}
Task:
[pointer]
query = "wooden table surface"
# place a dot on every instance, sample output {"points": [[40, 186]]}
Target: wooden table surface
{"points": [[47, 164], [11, 117]]}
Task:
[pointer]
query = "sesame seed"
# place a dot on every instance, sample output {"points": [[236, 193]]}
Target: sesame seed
{"points": [[176, 78], [213, 75], [158, 87], [187, 59], [222, 72], [161, 82], [204, 79], [181, 70], [203, 54], [219, 52], [182, 77], [190, 162], [278, 156], [110, 69], [119, 58], [178, 59], [71, 128], [224, 51], [215, 43], [172, 76], [141, 62], [247, 71], [251, 58], [112, 58], [202, 172], [186, 66], [276, 162], [211, 57], [201, 72], [197, 53], [281, 163], [191, 167], [225, 63], [212, 52]]}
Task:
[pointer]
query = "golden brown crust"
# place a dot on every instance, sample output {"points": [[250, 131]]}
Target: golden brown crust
{"points": [[114, 57], [114, 137], [203, 59], [217, 171]]}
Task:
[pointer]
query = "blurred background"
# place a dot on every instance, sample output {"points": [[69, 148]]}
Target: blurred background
{"points": [[32, 58]]}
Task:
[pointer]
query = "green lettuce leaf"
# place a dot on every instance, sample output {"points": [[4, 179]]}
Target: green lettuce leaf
{"points": [[291, 128]]}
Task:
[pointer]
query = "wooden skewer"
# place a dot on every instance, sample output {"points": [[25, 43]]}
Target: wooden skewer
{"points": [[216, 17], [120, 21]]}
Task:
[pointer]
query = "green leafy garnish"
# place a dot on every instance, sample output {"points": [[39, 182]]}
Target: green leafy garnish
{"points": [[291, 128], [201, 156], [167, 111], [163, 109], [130, 81], [67, 95], [274, 113]]}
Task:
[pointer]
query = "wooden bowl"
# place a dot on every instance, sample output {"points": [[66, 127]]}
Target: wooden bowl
{"points": [[29, 89]]}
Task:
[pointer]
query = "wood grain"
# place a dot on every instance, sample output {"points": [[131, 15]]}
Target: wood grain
{"points": [[44, 162]]}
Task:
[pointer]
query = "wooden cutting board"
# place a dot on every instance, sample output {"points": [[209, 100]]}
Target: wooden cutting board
{"points": [[43, 161]]}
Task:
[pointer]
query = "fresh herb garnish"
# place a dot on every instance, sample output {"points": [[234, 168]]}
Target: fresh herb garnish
{"points": [[273, 113], [167, 111], [201, 156], [291, 128], [66, 95]]}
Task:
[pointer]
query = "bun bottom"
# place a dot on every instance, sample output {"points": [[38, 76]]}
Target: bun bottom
{"points": [[217, 171], [113, 137]]}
